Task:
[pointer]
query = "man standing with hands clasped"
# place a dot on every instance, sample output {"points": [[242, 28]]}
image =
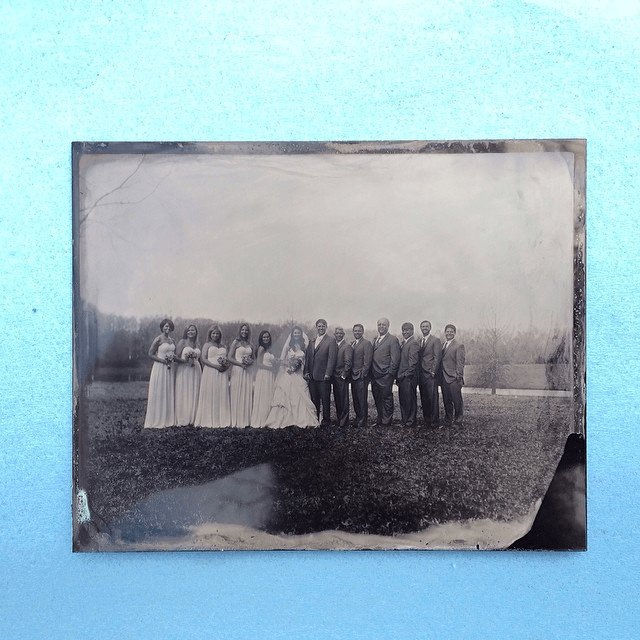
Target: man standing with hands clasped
{"points": [[360, 365], [318, 369], [408, 376], [452, 377], [340, 379], [384, 367], [430, 354]]}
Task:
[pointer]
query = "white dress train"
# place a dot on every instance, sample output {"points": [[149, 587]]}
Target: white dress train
{"points": [[291, 404]]}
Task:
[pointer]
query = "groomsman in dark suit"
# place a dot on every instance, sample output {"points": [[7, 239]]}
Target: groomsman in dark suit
{"points": [[430, 354], [340, 378], [360, 365], [452, 377], [318, 369], [384, 367], [407, 377]]}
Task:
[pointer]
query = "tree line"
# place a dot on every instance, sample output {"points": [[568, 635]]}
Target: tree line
{"points": [[113, 341]]}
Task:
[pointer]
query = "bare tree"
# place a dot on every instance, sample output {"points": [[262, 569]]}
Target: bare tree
{"points": [[493, 360]]}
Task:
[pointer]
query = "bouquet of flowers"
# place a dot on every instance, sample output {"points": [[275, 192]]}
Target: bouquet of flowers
{"points": [[191, 355], [247, 360], [223, 362], [168, 360], [293, 364]]}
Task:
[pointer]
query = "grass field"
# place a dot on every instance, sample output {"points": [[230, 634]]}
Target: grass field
{"points": [[375, 480], [516, 376]]}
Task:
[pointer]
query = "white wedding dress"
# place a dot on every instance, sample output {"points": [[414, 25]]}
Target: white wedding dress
{"points": [[291, 404]]}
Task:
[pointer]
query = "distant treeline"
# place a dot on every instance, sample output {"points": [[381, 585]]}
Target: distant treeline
{"points": [[109, 341]]}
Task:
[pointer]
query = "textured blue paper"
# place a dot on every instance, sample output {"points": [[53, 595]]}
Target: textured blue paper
{"points": [[308, 71]]}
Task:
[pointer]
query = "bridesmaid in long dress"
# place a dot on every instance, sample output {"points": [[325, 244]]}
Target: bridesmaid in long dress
{"points": [[188, 374], [266, 363], [241, 358], [213, 401], [160, 405]]}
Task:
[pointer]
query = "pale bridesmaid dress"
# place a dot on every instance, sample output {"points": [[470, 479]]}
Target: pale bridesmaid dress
{"points": [[188, 376], [213, 400], [241, 390], [161, 402]]}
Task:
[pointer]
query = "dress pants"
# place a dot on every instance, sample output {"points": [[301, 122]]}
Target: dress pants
{"points": [[341, 398], [452, 400], [360, 402], [320, 391], [408, 400], [429, 399], [382, 389]]}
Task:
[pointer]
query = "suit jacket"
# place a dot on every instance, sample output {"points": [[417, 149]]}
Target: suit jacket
{"points": [[344, 357], [320, 362], [386, 356], [409, 357], [452, 363], [361, 363], [430, 355]]}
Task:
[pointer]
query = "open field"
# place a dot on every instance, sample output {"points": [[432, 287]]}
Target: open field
{"points": [[518, 376], [373, 480]]}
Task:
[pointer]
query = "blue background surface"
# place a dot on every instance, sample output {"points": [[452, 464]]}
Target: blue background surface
{"points": [[308, 71]]}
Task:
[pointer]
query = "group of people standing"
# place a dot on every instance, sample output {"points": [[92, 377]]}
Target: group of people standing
{"points": [[245, 385]]}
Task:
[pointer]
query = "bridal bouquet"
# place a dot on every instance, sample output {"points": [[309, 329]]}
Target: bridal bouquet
{"points": [[293, 364], [168, 360], [223, 362]]}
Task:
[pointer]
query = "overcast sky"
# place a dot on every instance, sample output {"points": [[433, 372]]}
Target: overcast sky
{"points": [[267, 238]]}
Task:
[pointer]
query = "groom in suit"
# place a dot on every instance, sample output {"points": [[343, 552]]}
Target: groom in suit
{"points": [[452, 377], [430, 354], [384, 367], [340, 379], [318, 369], [408, 376], [360, 365]]}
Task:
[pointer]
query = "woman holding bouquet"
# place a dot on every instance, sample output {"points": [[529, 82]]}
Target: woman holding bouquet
{"points": [[241, 359], [291, 404], [160, 404], [213, 400], [265, 375], [188, 374]]}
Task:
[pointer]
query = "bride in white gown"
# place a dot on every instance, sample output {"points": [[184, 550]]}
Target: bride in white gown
{"points": [[291, 404]]}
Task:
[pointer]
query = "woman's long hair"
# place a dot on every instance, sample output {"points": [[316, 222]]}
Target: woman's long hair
{"points": [[298, 341], [213, 327], [244, 324], [184, 335], [262, 343], [290, 341]]}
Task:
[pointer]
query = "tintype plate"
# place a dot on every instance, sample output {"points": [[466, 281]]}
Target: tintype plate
{"points": [[192, 430]]}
